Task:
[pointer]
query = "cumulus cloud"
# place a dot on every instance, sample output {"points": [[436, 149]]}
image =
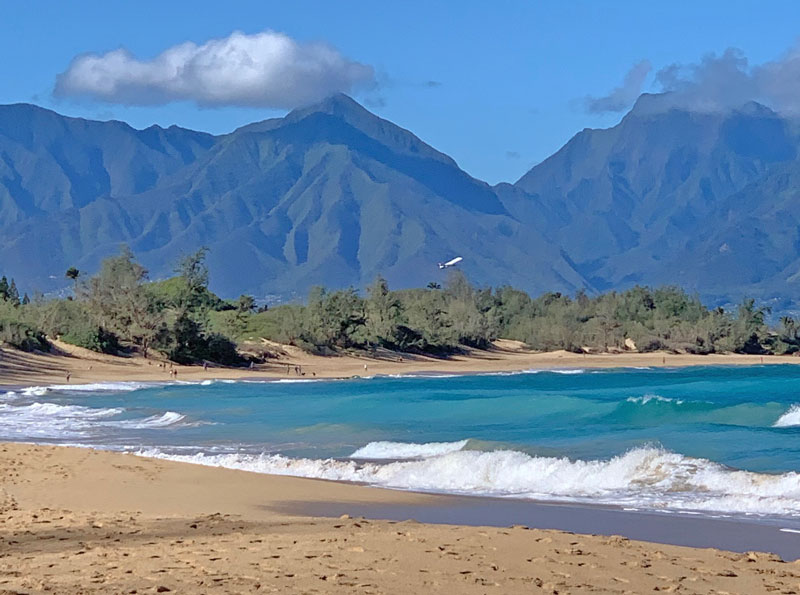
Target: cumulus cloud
{"points": [[267, 69], [621, 98]]}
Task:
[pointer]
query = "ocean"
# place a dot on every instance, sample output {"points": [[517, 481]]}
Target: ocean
{"points": [[714, 441]]}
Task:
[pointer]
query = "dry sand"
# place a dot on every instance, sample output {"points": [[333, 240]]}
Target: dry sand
{"points": [[82, 521], [25, 369]]}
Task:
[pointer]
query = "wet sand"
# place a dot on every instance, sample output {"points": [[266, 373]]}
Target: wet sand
{"points": [[83, 521], [780, 537]]}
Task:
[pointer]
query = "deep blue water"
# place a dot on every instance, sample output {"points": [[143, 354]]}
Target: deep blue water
{"points": [[665, 438]]}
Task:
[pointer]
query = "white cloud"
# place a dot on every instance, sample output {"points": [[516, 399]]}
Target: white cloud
{"points": [[714, 83], [728, 81], [621, 98], [267, 69]]}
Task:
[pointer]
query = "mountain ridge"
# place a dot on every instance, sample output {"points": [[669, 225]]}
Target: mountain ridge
{"points": [[334, 194]]}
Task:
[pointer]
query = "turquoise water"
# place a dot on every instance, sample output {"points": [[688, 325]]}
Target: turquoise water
{"points": [[708, 439]]}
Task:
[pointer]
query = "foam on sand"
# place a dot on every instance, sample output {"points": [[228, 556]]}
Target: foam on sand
{"points": [[648, 478]]}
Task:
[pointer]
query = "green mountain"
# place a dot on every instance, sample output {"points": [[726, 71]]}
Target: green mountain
{"points": [[704, 200], [327, 195], [334, 195]]}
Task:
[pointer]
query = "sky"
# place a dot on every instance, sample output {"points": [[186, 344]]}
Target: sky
{"points": [[498, 86]]}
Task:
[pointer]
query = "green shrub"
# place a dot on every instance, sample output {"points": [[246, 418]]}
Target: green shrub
{"points": [[92, 337]]}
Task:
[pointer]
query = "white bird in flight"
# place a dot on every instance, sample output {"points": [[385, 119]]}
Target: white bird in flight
{"points": [[450, 263]]}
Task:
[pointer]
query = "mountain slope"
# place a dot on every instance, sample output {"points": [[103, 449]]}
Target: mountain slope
{"points": [[628, 202], [334, 195], [327, 195]]}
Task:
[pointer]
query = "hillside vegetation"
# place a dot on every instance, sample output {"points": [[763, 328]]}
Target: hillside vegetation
{"points": [[119, 309]]}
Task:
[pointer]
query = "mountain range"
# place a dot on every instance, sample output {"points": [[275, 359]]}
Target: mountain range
{"points": [[334, 195]]}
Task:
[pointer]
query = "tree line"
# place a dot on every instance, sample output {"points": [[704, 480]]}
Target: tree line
{"points": [[120, 308]]}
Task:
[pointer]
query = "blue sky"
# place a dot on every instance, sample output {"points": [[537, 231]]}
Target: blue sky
{"points": [[498, 86]]}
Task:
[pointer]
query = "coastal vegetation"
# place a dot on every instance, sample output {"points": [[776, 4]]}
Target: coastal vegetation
{"points": [[119, 308]]}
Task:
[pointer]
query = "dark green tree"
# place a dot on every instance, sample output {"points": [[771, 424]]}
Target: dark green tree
{"points": [[13, 293]]}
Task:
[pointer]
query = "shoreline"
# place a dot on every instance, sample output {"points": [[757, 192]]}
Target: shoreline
{"points": [[20, 369], [95, 521], [679, 528], [697, 529]]}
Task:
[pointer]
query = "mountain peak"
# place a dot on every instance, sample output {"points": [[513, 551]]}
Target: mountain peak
{"points": [[340, 106], [649, 104]]}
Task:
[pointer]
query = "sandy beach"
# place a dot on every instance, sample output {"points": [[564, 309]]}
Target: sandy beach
{"points": [[76, 520], [84, 521], [26, 369]]}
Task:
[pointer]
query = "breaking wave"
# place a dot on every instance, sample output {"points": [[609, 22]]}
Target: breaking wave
{"points": [[49, 420], [404, 450], [40, 391], [644, 400], [789, 419], [646, 477], [41, 420], [155, 421]]}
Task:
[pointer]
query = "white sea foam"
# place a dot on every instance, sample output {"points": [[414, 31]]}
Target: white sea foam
{"points": [[40, 391], [645, 477], [50, 420], [423, 375], [34, 391], [789, 419], [405, 450], [568, 372], [644, 400], [20, 419], [164, 420]]}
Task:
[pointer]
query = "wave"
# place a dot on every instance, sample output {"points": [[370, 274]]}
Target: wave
{"points": [[789, 419], [405, 450], [20, 420], [50, 420], [646, 477], [40, 391], [644, 400], [164, 420]]}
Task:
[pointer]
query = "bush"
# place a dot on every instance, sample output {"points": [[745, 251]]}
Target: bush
{"points": [[19, 332], [22, 336], [92, 337]]}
